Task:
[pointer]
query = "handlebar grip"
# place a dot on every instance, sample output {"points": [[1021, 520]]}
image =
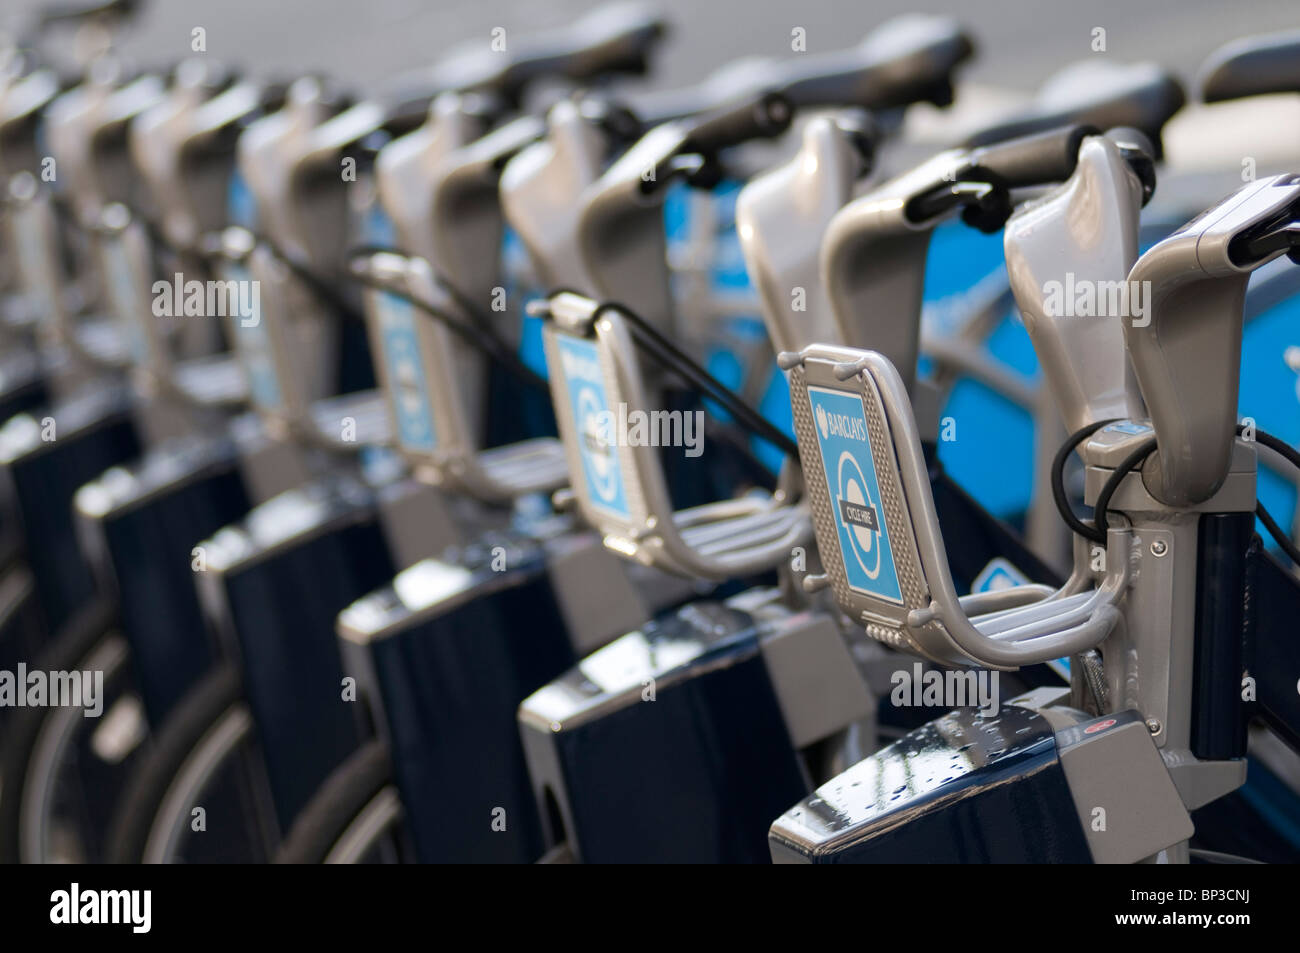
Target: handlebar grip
{"points": [[908, 59], [762, 116], [1033, 160]]}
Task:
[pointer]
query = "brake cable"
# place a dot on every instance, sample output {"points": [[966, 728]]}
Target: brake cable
{"points": [[672, 359], [1080, 528], [471, 334], [479, 336]]}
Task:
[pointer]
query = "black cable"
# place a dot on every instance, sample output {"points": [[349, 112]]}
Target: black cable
{"points": [[1126, 466], [673, 359], [1080, 528], [1279, 536], [1273, 443], [462, 300], [488, 344], [323, 288], [1096, 531], [477, 332], [1292, 456]]}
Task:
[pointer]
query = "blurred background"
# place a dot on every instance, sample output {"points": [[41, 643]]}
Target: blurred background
{"points": [[1020, 41]]}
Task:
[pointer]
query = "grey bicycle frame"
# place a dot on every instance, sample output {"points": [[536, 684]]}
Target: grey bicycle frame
{"points": [[781, 217], [1088, 226]]}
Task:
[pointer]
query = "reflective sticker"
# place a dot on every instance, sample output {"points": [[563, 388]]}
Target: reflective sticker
{"points": [[408, 389], [1127, 427], [592, 420], [254, 349], [841, 425], [997, 575]]}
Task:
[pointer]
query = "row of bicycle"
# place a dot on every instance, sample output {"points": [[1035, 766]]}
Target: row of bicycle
{"points": [[401, 479]]}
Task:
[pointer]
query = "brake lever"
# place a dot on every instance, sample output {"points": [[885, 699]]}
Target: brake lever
{"points": [[1247, 248]]}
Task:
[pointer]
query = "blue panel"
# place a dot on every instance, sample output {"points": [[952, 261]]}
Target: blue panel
{"points": [[840, 423], [1270, 395], [591, 414]]}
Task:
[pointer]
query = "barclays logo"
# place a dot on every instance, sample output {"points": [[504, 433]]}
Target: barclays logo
{"points": [[840, 425]]}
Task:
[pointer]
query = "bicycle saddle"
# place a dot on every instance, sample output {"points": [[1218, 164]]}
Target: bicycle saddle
{"points": [[620, 234], [612, 39], [1252, 66], [908, 59], [1096, 93]]}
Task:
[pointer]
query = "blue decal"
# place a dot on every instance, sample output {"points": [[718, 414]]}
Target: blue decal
{"points": [[241, 204], [592, 418], [408, 389], [254, 348], [1000, 574], [868, 557], [124, 294], [1127, 427], [997, 575]]}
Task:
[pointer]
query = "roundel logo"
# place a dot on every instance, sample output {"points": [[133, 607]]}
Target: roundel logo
{"points": [[599, 454], [858, 512], [821, 422]]}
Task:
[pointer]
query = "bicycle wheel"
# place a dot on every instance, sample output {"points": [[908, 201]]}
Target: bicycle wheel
{"points": [[78, 638], [351, 817], [162, 760]]}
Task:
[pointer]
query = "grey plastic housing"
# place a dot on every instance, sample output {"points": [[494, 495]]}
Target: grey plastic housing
{"points": [[541, 188], [1083, 235], [181, 147], [86, 129], [781, 216], [1186, 353], [873, 259]]}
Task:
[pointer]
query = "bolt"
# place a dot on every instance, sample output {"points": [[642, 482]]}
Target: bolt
{"points": [[1154, 726], [1159, 548]]}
